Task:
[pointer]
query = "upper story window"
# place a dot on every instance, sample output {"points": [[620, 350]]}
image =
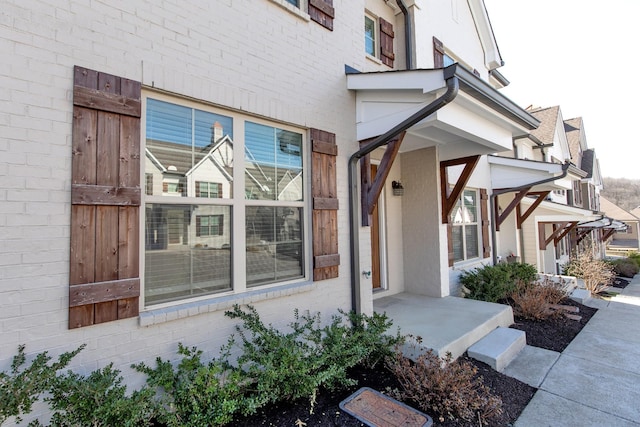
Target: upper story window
{"points": [[378, 39], [225, 229], [319, 11], [465, 226], [370, 35]]}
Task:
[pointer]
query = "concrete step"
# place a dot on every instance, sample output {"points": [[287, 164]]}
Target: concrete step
{"points": [[499, 347]]}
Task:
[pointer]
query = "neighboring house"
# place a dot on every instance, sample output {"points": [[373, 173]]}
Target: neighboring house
{"points": [[541, 223], [166, 161], [420, 241], [627, 238]]}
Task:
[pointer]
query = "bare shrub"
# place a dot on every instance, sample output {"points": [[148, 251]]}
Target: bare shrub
{"points": [[532, 301], [445, 387], [596, 273]]}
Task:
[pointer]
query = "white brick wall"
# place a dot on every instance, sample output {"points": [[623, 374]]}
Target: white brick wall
{"points": [[252, 56]]}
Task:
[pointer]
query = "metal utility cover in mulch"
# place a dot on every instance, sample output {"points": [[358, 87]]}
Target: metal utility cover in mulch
{"points": [[377, 410]]}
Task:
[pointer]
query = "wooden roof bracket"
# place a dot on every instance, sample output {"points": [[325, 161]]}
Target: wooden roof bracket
{"points": [[560, 229], [500, 217], [581, 233], [449, 198], [371, 188], [606, 234], [565, 229], [521, 218]]}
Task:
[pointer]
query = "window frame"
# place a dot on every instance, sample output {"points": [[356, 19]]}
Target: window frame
{"points": [[463, 226], [209, 217], [237, 204], [376, 36], [301, 9]]}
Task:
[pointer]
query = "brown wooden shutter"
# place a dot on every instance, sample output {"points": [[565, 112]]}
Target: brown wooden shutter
{"points": [[484, 217], [450, 243], [326, 258], [386, 42], [322, 12], [104, 283], [438, 53]]}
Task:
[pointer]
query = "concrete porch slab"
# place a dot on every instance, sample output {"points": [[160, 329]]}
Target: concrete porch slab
{"points": [[448, 324]]}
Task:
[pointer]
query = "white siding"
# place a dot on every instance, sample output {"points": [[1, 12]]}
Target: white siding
{"points": [[246, 55]]}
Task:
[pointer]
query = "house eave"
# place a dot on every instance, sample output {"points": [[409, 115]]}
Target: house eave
{"points": [[564, 212], [480, 120], [507, 172]]}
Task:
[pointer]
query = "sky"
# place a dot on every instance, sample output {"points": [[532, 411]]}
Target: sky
{"points": [[583, 55]]}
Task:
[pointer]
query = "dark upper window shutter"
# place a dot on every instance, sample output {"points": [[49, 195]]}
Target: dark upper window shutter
{"points": [[386, 42], [198, 225], [326, 258], [438, 53], [484, 217], [322, 12], [104, 283]]}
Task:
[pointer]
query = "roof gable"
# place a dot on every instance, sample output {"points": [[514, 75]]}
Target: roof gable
{"points": [[492, 57], [616, 212], [551, 131]]}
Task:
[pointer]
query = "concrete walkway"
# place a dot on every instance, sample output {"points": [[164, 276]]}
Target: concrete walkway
{"points": [[595, 381]]}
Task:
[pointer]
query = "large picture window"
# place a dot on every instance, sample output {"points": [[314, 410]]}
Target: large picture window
{"points": [[190, 245], [465, 226]]}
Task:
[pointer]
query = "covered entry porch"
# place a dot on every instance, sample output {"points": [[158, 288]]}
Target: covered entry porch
{"points": [[448, 324]]}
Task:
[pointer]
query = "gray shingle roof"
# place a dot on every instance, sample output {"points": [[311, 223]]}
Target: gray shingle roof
{"points": [[548, 118], [572, 128]]}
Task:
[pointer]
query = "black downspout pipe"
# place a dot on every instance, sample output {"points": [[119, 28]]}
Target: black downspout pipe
{"points": [[452, 90], [565, 171], [408, 33]]}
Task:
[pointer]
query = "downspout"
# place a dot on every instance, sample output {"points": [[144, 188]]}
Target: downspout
{"points": [[408, 31], [452, 90], [565, 171]]}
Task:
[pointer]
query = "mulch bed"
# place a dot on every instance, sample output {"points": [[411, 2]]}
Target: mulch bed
{"points": [[620, 282], [554, 334]]}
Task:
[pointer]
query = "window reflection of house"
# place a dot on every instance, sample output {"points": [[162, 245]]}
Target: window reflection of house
{"points": [[190, 234], [465, 226]]}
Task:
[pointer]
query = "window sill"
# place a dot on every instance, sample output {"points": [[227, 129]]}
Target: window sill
{"points": [[373, 59], [473, 262], [155, 316], [292, 9]]}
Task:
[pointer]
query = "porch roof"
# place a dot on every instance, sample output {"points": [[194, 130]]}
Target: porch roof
{"points": [[605, 223], [562, 212], [479, 120], [507, 172]]}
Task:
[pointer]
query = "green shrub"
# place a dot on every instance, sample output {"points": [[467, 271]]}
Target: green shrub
{"points": [[625, 267], [197, 394], [635, 257], [494, 283], [21, 386], [444, 387], [272, 366], [98, 400], [297, 364]]}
